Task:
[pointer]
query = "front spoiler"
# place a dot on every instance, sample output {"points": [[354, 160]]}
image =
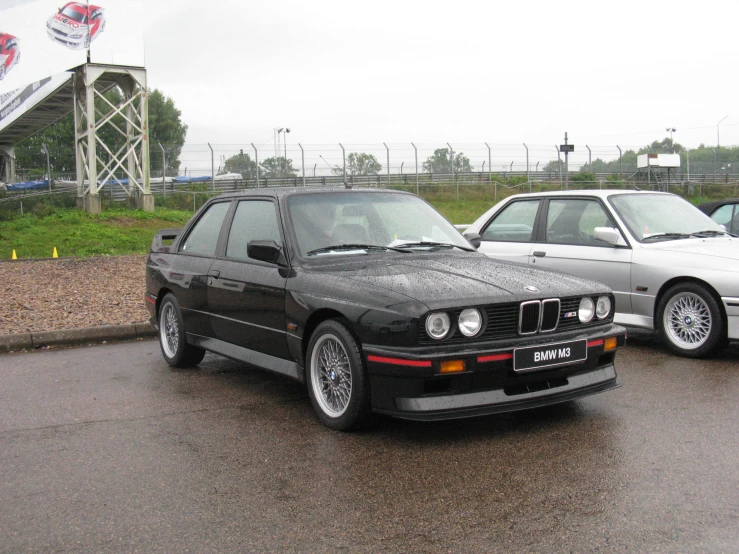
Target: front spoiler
{"points": [[436, 408]]}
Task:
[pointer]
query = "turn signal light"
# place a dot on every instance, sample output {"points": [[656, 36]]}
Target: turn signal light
{"points": [[451, 366], [610, 344]]}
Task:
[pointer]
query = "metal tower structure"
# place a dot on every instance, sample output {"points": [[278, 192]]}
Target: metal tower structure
{"points": [[97, 161]]}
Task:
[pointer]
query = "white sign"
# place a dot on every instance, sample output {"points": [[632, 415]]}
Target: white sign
{"points": [[39, 38]]}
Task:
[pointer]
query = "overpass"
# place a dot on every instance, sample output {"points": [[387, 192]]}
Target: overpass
{"points": [[27, 111]]}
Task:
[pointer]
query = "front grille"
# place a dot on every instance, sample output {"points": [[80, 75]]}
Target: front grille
{"points": [[529, 320], [549, 315], [502, 321]]}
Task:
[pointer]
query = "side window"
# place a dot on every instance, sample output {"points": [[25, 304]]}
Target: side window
{"points": [[514, 224], [723, 215], [573, 221], [253, 220], [204, 236]]}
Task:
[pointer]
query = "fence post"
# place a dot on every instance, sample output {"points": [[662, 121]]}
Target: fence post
{"points": [[388, 164], [620, 164], [416, 155], [528, 177], [490, 164], [212, 168], [302, 161], [256, 161], [559, 163], [343, 157], [451, 159]]}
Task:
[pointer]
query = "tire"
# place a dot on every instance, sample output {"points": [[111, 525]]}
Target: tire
{"points": [[337, 380], [175, 349], [689, 320]]}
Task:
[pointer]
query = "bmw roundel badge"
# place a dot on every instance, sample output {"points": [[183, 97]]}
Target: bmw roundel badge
{"points": [[531, 288]]}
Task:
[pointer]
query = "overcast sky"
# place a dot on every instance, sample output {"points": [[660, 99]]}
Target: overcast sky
{"points": [[463, 72]]}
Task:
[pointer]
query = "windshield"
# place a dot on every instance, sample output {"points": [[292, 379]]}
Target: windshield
{"points": [[353, 219], [73, 14], [661, 216]]}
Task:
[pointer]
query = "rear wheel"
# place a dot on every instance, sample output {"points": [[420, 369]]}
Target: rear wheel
{"points": [[175, 349], [338, 385], [689, 320]]}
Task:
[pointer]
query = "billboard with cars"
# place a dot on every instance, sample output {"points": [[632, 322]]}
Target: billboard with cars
{"points": [[40, 38]]}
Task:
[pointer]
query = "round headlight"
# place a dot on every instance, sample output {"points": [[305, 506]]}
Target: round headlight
{"points": [[603, 307], [586, 310], [437, 325], [470, 322]]}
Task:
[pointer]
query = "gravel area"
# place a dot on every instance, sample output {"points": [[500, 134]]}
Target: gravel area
{"points": [[68, 293]]}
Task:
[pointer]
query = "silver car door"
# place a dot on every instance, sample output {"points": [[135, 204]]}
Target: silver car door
{"points": [[569, 246], [510, 232]]}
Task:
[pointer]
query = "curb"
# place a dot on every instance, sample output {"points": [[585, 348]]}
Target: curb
{"points": [[71, 337]]}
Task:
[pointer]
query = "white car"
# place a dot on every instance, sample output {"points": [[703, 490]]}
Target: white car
{"points": [[671, 267]]}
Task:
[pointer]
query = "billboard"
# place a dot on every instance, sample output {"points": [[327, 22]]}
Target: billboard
{"points": [[40, 38]]}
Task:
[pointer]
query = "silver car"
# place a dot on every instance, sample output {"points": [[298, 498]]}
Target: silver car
{"points": [[670, 266]]}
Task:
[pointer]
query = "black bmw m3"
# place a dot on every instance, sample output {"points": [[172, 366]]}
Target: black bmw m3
{"points": [[378, 304]]}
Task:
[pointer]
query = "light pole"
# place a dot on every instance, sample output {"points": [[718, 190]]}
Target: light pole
{"points": [[45, 150], [670, 130], [164, 187]]}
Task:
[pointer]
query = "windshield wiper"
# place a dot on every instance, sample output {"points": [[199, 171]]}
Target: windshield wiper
{"points": [[708, 233], [353, 246], [433, 244], [667, 236]]}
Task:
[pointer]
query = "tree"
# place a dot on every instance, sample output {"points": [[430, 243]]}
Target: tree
{"points": [[440, 162], [241, 163], [165, 127], [360, 163], [277, 167]]}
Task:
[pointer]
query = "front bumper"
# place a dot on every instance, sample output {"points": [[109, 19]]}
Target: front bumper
{"points": [[412, 388]]}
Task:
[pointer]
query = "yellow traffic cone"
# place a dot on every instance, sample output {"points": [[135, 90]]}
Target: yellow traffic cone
{"points": [[14, 257], [54, 254]]}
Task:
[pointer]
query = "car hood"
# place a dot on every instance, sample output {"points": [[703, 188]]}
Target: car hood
{"points": [[444, 280], [708, 253]]}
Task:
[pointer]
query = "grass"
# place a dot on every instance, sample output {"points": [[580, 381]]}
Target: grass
{"points": [[77, 233]]}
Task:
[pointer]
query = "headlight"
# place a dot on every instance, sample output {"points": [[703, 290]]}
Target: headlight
{"points": [[437, 325], [586, 310], [470, 322], [603, 307]]}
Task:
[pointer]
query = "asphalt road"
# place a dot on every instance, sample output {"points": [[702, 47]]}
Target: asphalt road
{"points": [[107, 449]]}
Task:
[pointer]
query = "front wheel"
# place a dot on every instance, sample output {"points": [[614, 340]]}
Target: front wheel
{"points": [[175, 349], [689, 320], [337, 379]]}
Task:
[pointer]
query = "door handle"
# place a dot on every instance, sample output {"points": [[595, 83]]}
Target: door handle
{"points": [[539, 254], [214, 273]]}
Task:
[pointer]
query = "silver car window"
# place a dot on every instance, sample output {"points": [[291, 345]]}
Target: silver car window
{"points": [[515, 223], [657, 214], [573, 221]]}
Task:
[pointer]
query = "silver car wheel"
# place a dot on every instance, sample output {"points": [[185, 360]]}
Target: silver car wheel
{"points": [[687, 320], [169, 330], [331, 375]]}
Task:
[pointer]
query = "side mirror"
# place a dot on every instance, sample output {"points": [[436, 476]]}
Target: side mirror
{"points": [[265, 251], [609, 235], [474, 239]]}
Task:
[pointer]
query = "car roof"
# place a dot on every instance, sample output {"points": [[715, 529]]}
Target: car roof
{"points": [[279, 192], [710, 207], [596, 193]]}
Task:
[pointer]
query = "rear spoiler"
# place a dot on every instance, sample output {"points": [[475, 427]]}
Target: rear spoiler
{"points": [[163, 239]]}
